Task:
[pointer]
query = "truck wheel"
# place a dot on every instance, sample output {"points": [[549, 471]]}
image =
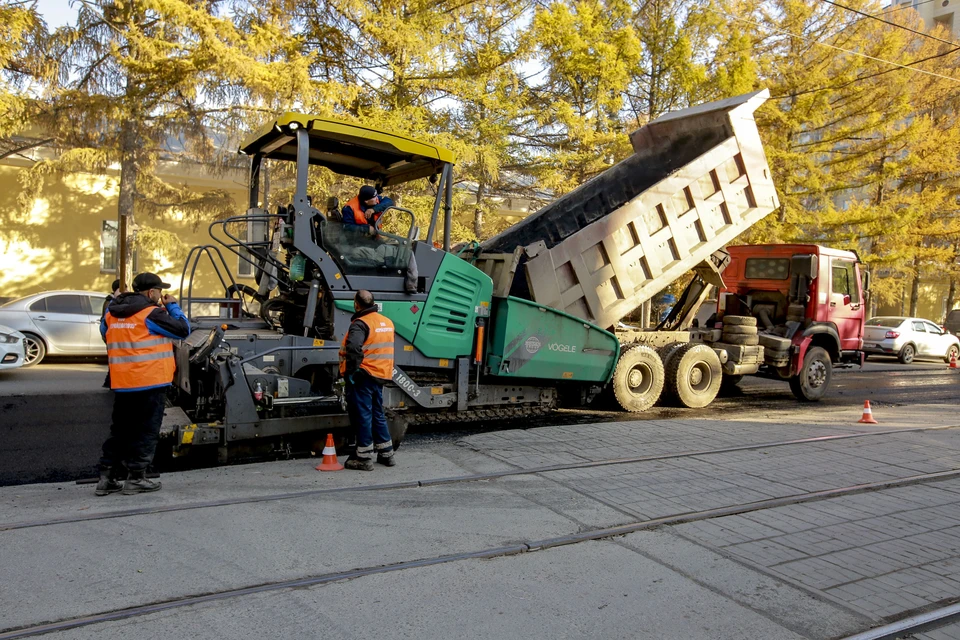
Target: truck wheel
{"points": [[638, 379], [811, 383], [736, 338], [739, 330], [743, 321], [907, 354], [693, 376], [667, 352]]}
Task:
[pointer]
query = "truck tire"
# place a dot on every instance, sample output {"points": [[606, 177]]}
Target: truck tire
{"points": [[747, 341], [740, 321], [693, 376], [907, 354], [738, 329], [814, 378], [667, 352], [638, 379]]}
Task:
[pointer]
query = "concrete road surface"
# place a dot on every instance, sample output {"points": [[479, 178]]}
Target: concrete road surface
{"points": [[269, 556]]}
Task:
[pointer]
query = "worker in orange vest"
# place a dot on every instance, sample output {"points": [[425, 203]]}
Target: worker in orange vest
{"points": [[363, 212], [139, 329], [365, 208], [366, 364]]}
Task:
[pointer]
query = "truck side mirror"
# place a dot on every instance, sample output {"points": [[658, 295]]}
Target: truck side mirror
{"points": [[805, 265], [866, 281]]}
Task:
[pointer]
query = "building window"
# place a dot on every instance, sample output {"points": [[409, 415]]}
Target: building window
{"points": [[108, 246], [945, 21], [256, 232]]}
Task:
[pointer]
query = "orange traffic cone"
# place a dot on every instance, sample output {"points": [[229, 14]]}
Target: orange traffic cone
{"points": [[329, 462], [867, 414], [953, 360]]}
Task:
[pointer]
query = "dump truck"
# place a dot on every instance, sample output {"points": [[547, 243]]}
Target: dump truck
{"points": [[511, 327]]}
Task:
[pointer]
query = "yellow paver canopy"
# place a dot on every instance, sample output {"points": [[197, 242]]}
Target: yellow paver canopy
{"points": [[350, 149]]}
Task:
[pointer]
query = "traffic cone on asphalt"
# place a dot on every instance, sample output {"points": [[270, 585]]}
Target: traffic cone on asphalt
{"points": [[329, 461], [953, 360], [867, 414]]}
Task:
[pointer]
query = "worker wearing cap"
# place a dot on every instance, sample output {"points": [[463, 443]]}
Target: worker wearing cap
{"points": [[363, 212], [366, 364], [139, 329], [365, 208]]}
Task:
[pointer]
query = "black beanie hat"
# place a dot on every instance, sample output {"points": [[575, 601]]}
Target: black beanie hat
{"points": [[367, 192]]}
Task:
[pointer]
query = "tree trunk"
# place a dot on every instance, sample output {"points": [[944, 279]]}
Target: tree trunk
{"points": [[915, 287], [128, 186], [951, 297], [478, 212]]}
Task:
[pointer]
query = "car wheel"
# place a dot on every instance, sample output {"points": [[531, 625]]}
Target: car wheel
{"points": [[34, 349], [907, 354], [952, 352]]}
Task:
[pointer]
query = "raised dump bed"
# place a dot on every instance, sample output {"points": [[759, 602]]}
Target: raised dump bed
{"points": [[697, 179]]}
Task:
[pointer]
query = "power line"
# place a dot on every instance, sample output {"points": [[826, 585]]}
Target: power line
{"points": [[866, 77], [892, 24], [836, 48]]}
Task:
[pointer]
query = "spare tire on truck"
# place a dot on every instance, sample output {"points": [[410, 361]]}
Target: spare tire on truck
{"points": [[637, 379], [741, 321], [693, 376]]}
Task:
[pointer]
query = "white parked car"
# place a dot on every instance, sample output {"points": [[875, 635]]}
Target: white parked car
{"points": [[59, 323], [11, 348], [908, 338]]}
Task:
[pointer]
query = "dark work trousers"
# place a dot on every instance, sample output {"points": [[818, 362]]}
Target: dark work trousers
{"points": [[135, 430], [365, 406]]}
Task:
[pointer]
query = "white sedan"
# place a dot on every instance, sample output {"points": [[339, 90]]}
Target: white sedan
{"points": [[12, 352], [908, 338], [58, 323]]}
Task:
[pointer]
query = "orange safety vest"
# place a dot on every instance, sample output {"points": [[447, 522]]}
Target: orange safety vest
{"points": [[137, 358], [359, 216], [377, 349]]}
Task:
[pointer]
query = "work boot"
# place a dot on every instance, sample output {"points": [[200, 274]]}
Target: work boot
{"points": [[387, 461], [107, 484], [138, 483], [359, 464]]}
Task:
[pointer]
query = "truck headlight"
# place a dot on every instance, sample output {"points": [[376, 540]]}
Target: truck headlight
{"points": [[8, 338]]}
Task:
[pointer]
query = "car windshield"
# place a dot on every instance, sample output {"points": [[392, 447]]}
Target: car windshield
{"points": [[884, 322]]}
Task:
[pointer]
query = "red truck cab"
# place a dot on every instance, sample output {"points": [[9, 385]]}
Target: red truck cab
{"points": [[812, 296]]}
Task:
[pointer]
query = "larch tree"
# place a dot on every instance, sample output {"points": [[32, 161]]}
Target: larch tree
{"points": [[147, 79], [589, 50], [489, 95], [26, 69]]}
